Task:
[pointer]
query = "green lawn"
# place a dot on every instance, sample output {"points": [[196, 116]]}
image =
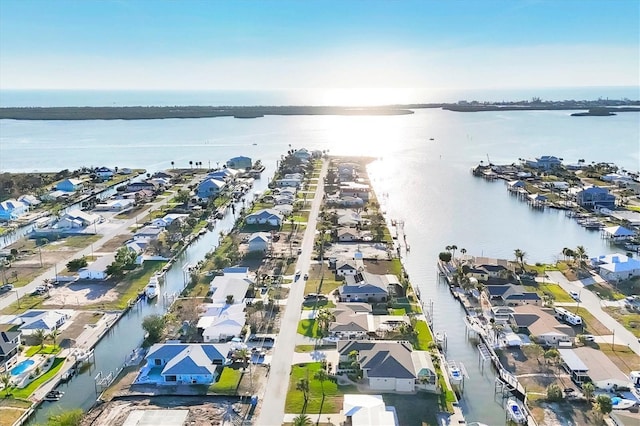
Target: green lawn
{"points": [[423, 337], [309, 328], [553, 290], [228, 382], [31, 387], [47, 350], [295, 398], [606, 292], [321, 285], [630, 320]]}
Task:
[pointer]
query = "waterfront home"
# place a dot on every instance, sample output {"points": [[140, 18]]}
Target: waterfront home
{"points": [[147, 185], [589, 364], [221, 322], [347, 172], [114, 205], [168, 219], [259, 242], [368, 287], [210, 188], [141, 196], [618, 233], [355, 189], [349, 218], [302, 154], [479, 274], [595, 197], [347, 235], [12, 209], [510, 295], [148, 233], [225, 175], [293, 182], [9, 345], [546, 162], [186, 363], [515, 185], [104, 173], [346, 267], [269, 217], [352, 321], [616, 267], [69, 185], [47, 320], [29, 200], [228, 288], [163, 174], [284, 209], [240, 163], [367, 410], [541, 324], [97, 270], [77, 219], [284, 199], [237, 271], [557, 185], [391, 366]]}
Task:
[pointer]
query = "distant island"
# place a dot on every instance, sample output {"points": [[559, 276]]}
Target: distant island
{"points": [[600, 107]]}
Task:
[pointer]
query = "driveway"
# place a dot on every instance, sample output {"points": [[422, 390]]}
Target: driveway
{"points": [[272, 411], [588, 300]]}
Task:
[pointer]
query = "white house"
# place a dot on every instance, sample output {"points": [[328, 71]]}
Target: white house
{"points": [[270, 217], [12, 209], [47, 320], [104, 172], [77, 219], [115, 205], [347, 267], [291, 182], [163, 222], [221, 322], [29, 200], [228, 286], [348, 234], [368, 410], [616, 267], [259, 242], [97, 270]]}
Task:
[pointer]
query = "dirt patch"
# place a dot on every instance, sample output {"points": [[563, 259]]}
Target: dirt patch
{"points": [[202, 410], [81, 294], [115, 243], [564, 413]]}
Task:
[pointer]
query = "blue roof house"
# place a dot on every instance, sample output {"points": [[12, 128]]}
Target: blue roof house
{"points": [[194, 363], [210, 188], [69, 185], [595, 197], [12, 209], [240, 163]]}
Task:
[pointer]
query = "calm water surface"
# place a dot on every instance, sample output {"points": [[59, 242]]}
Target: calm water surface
{"points": [[429, 183]]}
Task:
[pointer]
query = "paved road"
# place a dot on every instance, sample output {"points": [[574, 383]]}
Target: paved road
{"points": [[588, 300], [109, 230], [272, 411]]}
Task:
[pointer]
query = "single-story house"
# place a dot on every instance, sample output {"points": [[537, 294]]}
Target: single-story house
{"points": [[355, 189], [391, 366], [163, 174], [348, 234], [9, 344], [210, 188], [224, 174], [353, 321], [163, 222], [368, 287], [115, 205], [510, 294], [368, 410], [139, 186], [47, 320], [240, 163], [55, 195], [259, 241], [264, 217], [69, 185], [349, 218], [616, 267], [148, 232], [347, 267], [228, 285], [589, 364], [12, 209], [221, 322], [481, 275], [347, 172], [77, 219], [29, 200], [291, 182], [187, 363], [284, 209], [284, 199], [494, 271], [97, 270], [541, 324]]}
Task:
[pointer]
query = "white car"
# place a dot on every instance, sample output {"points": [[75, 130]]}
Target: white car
{"points": [[574, 295]]}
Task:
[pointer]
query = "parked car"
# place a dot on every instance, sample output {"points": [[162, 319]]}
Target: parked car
{"points": [[574, 295], [306, 277], [6, 287]]}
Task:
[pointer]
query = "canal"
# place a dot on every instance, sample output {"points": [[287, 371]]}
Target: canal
{"points": [[126, 335]]}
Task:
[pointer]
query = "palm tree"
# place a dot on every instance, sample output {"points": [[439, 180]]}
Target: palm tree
{"points": [[463, 251], [321, 376], [54, 336], [191, 164], [519, 255], [580, 255], [5, 379], [302, 420], [40, 335], [303, 386], [324, 318], [173, 163], [244, 355], [453, 248], [588, 389]]}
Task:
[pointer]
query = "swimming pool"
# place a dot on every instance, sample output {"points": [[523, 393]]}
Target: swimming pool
{"points": [[21, 367]]}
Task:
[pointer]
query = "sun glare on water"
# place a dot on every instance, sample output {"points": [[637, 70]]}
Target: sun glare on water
{"points": [[364, 96]]}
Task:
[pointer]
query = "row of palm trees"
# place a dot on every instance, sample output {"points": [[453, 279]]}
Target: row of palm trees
{"points": [[579, 255], [41, 336]]}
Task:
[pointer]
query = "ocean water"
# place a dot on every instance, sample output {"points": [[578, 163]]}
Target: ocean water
{"points": [[426, 183]]}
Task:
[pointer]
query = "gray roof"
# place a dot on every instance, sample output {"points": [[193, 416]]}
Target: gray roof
{"points": [[383, 359], [572, 360], [6, 341]]}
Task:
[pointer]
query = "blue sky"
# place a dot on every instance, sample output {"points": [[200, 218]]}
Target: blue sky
{"points": [[273, 44]]}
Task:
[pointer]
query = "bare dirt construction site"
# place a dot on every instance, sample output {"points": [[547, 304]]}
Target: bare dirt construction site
{"points": [[201, 410]]}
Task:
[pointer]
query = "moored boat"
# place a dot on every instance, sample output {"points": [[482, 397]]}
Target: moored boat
{"points": [[53, 395], [515, 411], [151, 290]]}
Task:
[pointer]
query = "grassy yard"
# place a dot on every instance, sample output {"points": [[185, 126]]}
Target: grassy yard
{"points": [[228, 382], [423, 337], [606, 292], [309, 328], [319, 283], [31, 387], [76, 241], [591, 324], [623, 357], [47, 350], [630, 320], [414, 410], [317, 304], [553, 290], [295, 398], [26, 302]]}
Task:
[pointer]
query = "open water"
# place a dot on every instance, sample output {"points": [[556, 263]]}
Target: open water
{"points": [[428, 182]]}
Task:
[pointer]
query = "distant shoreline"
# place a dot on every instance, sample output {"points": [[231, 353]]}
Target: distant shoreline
{"points": [[150, 113]]}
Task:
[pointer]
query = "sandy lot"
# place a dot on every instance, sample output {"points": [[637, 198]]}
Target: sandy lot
{"points": [[80, 294]]}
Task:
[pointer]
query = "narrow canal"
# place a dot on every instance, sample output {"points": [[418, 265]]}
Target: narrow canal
{"points": [[123, 338]]}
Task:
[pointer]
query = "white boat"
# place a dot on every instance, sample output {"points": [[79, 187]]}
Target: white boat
{"points": [[515, 411], [440, 338], [81, 355], [456, 373], [151, 290], [618, 403]]}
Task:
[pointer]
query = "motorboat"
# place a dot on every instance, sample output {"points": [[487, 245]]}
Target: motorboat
{"points": [[456, 373], [68, 375], [82, 355], [440, 339], [618, 403], [515, 411], [151, 290], [53, 395]]}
